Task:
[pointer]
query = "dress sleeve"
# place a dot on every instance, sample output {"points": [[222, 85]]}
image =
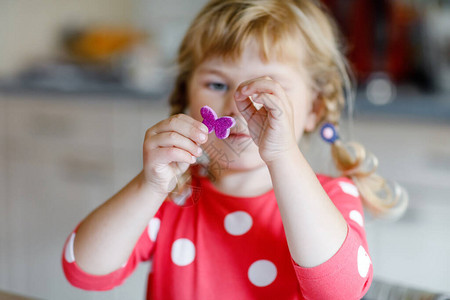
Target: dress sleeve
{"points": [[348, 274], [142, 251]]}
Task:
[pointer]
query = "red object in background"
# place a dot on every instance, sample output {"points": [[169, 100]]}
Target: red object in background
{"points": [[400, 54], [377, 35]]}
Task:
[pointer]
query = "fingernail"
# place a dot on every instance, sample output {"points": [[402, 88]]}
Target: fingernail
{"points": [[204, 128], [202, 136], [193, 159]]}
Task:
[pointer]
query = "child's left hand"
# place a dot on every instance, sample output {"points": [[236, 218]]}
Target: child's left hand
{"points": [[272, 126]]}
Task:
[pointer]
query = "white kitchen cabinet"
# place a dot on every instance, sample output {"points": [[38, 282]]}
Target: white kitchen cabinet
{"points": [[61, 158], [412, 251]]}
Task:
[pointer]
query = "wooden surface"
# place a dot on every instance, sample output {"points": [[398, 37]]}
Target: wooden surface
{"points": [[8, 296]]}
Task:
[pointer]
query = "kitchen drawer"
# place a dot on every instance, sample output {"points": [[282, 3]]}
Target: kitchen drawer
{"points": [[46, 120], [97, 158]]}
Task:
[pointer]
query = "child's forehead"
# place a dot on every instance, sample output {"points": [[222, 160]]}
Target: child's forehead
{"points": [[220, 66], [253, 53]]}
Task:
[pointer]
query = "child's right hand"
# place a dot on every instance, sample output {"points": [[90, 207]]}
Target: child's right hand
{"points": [[170, 147]]}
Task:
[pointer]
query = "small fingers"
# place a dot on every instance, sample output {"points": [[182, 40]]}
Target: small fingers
{"points": [[173, 139], [167, 155], [184, 125], [261, 91], [246, 108], [257, 86]]}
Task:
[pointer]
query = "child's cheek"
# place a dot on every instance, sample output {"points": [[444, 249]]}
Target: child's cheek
{"points": [[194, 113]]}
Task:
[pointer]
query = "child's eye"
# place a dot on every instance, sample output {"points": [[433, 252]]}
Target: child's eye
{"points": [[217, 86]]}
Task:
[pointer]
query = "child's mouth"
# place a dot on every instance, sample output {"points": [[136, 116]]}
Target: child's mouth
{"points": [[239, 136]]}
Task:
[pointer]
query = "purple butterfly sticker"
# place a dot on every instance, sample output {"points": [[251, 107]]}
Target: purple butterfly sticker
{"points": [[220, 125]]}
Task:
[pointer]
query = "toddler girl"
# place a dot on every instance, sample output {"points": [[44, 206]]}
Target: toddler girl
{"points": [[248, 218]]}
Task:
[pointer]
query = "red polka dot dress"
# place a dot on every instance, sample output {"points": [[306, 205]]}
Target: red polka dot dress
{"points": [[218, 246]]}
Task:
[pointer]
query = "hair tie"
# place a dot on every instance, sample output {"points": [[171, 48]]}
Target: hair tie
{"points": [[329, 133]]}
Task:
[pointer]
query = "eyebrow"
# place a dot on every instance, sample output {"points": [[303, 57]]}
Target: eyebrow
{"points": [[209, 70]]}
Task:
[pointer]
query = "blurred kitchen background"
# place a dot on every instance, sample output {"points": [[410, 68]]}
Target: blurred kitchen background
{"points": [[81, 81]]}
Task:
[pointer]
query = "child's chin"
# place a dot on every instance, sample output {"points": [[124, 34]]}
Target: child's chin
{"points": [[246, 163]]}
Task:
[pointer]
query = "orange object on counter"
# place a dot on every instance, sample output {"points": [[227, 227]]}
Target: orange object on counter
{"points": [[102, 43]]}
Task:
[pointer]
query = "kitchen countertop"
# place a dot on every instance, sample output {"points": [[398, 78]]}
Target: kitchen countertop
{"points": [[106, 90], [424, 106], [431, 106]]}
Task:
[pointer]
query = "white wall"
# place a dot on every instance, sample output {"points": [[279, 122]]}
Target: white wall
{"points": [[29, 29], [167, 19]]}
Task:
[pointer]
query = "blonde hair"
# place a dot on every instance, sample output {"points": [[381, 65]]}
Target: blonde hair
{"points": [[224, 27]]}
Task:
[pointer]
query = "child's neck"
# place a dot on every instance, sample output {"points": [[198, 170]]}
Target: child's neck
{"points": [[248, 183]]}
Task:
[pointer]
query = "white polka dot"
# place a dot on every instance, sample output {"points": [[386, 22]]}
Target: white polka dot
{"points": [[183, 252], [238, 223], [363, 262], [357, 217], [68, 253], [262, 273], [153, 228], [349, 188]]}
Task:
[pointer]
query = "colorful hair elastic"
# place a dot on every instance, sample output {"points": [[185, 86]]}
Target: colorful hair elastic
{"points": [[329, 133], [220, 125]]}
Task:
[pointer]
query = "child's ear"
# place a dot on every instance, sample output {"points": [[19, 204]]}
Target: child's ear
{"points": [[315, 115]]}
